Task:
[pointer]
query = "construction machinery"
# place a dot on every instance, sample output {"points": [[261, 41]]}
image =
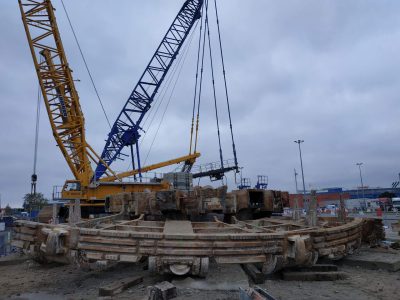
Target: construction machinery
{"points": [[62, 103]]}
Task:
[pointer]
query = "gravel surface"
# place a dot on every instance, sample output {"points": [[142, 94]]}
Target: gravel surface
{"points": [[29, 280]]}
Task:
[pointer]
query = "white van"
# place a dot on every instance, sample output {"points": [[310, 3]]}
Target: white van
{"points": [[396, 203], [331, 207]]}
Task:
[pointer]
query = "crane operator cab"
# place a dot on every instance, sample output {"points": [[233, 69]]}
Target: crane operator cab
{"points": [[72, 189]]}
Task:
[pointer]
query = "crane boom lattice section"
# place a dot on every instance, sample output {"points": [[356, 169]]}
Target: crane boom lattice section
{"points": [[125, 130], [57, 86]]}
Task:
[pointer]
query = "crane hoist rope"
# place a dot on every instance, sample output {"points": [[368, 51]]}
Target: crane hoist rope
{"points": [[213, 86], [200, 84], [85, 63], [226, 89], [196, 85], [205, 42], [34, 176]]}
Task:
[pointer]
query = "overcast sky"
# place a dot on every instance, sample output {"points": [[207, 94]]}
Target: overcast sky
{"points": [[320, 70]]}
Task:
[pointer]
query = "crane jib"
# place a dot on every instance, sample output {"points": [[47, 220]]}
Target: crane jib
{"points": [[125, 130]]}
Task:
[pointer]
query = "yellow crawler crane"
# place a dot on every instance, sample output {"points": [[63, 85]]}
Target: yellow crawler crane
{"points": [[65, 114]]}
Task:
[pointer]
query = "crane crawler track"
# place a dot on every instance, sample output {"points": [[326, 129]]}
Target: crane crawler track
{"points": [[274, 243]]}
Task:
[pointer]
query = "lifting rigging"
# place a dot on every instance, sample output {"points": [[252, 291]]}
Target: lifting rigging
{"points": [[218, 170]]}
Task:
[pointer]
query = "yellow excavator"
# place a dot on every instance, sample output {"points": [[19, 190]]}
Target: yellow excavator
{"points": [[91, 186]]}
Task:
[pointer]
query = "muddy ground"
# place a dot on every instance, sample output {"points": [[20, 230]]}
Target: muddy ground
{"points": [[29, 280]]}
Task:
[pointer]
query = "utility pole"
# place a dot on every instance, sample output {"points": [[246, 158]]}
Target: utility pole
{"points": [[362, 184], [295, 179], [301, 164]]}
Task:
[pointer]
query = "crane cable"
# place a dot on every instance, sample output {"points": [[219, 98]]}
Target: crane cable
{"points": [[214, 92], [35, 151], [86, 65], [226, 87], [200, 82], [196, 82]]}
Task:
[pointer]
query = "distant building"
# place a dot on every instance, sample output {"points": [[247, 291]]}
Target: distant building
{"points": [[353, 197]]}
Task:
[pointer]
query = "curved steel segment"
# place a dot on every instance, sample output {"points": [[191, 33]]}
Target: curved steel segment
{"points": [[185, 247]]}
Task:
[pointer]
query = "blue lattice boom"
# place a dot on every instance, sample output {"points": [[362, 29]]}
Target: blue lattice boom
{"points": [[125, 131]]}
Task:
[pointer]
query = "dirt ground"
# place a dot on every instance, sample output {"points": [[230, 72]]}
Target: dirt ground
{"points": [[29, 280]]}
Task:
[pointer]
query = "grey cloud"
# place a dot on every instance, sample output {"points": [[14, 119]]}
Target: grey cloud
{"points": [[324, 71]]}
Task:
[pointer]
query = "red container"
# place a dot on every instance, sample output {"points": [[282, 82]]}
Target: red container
{"points": [[379, 212]]}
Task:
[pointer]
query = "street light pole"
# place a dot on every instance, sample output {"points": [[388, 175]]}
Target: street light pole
{"points": [[301, 164], [362, 184], [295, 179]]}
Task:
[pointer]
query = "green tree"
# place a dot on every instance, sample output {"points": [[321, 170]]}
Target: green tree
{"points": [[34, 201], [8, 210]]}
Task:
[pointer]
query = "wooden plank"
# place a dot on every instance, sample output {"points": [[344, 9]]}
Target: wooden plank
{"points": [[254, 273], [119, 286]]}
